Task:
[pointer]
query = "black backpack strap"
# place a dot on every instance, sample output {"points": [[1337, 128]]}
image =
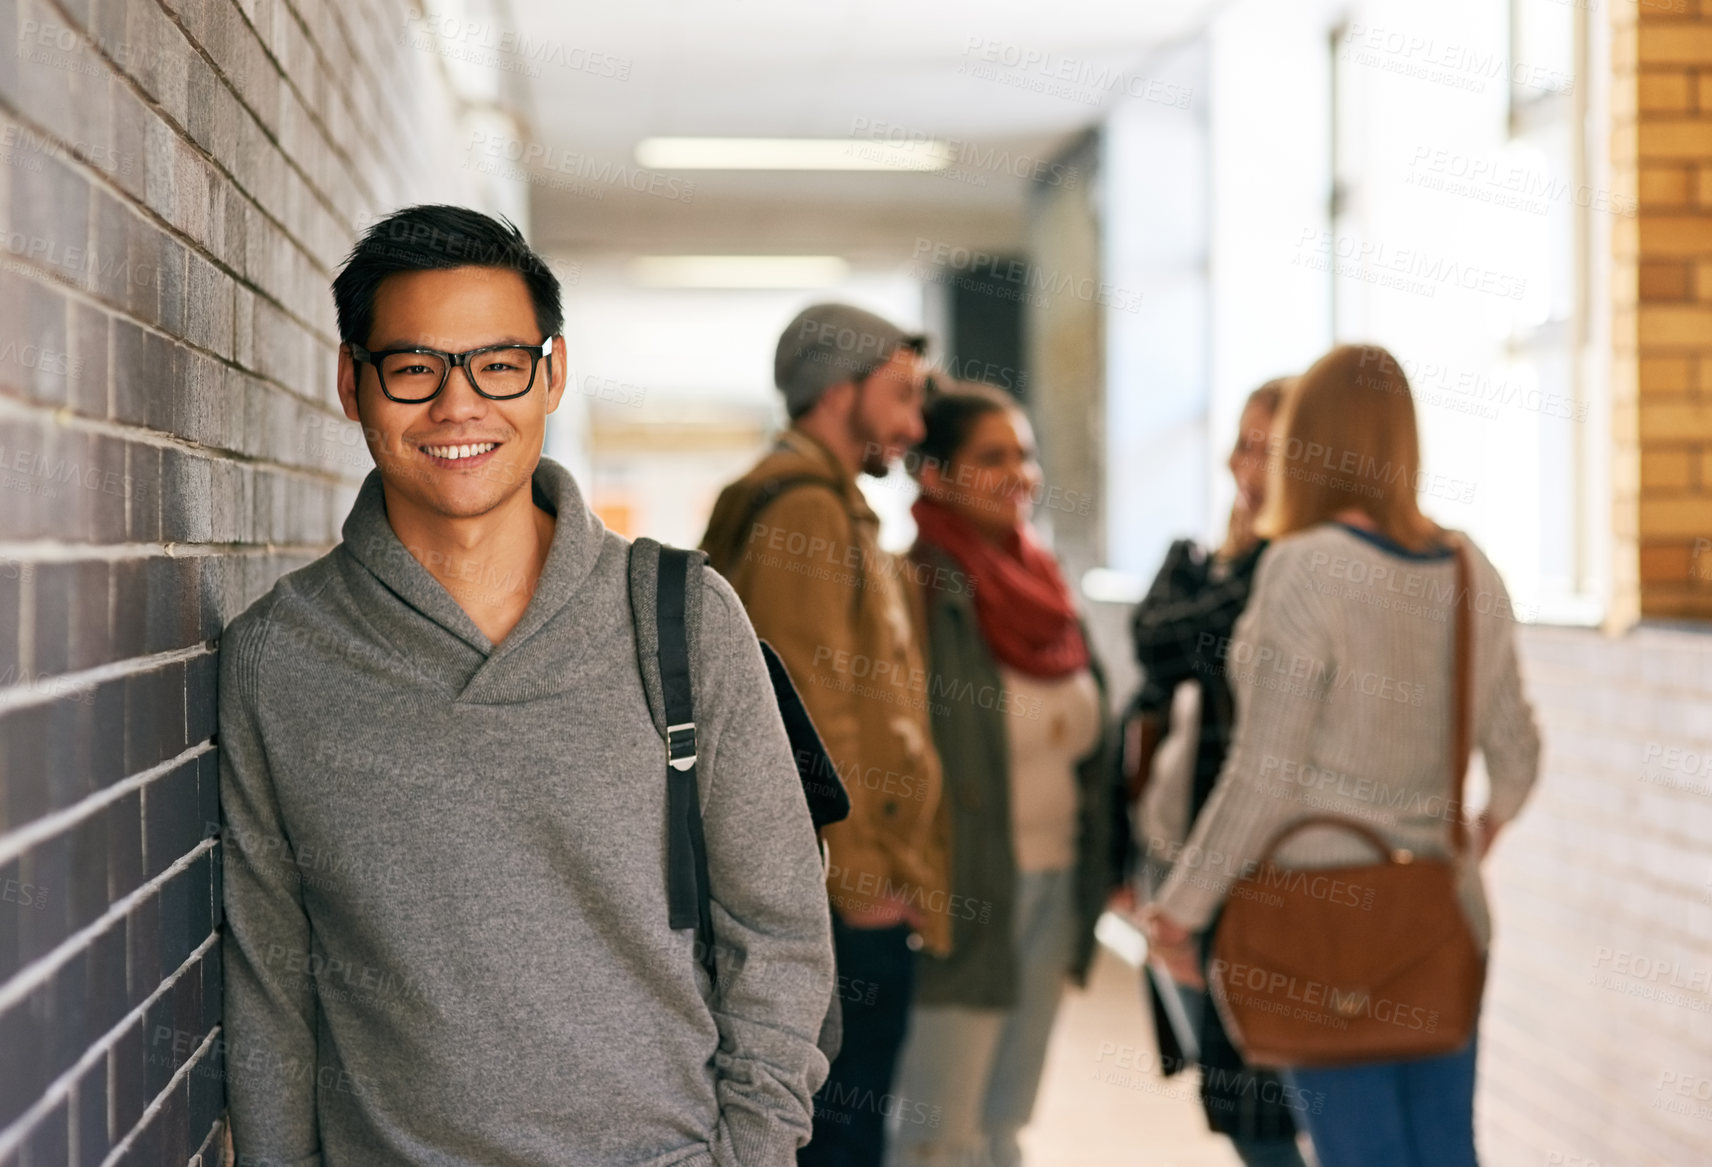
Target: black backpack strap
{"points": [[661, 585], [660, 579]]}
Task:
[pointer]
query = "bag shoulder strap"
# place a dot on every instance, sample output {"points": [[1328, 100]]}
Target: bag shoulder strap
{"points": [[726, 558], [1461, 732], [660, 582], [765, 496], [769, 491]]}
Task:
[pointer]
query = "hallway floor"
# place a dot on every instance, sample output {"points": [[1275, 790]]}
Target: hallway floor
{"points": [[1103, 1102]]}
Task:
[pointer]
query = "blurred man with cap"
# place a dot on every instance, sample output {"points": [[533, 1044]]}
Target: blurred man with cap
{"points": [[799, 543]]}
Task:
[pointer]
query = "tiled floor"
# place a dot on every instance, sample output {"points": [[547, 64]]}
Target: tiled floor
{"points": [[1103, 1103]]}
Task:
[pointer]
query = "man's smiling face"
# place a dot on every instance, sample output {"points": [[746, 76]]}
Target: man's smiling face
{"points": [[424, 451]]}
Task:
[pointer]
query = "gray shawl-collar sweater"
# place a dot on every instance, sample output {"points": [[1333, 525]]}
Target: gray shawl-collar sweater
{"points": [[445, 898]]}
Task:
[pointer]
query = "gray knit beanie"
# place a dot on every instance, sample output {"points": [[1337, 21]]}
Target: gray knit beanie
{"points": [[830, 343]]}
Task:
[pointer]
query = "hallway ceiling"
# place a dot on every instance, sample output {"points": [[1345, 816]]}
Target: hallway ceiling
{"points": [[612, 74]]}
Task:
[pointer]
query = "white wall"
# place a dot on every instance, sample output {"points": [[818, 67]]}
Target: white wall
{"points": [[1269, 123], [1220, 214], [1153, 192]]}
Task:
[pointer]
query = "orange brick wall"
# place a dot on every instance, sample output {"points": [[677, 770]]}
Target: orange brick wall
{"points": [[1662, 334]]}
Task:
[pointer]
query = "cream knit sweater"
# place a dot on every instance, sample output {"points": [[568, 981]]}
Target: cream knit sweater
{"points": [[1341, 671]]}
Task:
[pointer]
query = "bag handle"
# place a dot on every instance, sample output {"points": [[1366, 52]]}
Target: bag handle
{"points": [[1460, 736], [1341, 823]]}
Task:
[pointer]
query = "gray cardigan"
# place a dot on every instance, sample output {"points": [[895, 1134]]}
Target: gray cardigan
{"points": [[1341, 670], [446, 933]]}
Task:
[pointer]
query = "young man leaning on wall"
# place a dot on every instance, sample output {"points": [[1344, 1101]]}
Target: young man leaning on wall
{"points": [[447, 936]]}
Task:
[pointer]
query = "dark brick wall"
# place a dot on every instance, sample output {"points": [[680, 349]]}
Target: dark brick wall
{"points": [[178, 179]]}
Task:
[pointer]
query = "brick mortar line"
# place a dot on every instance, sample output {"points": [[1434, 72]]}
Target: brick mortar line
{"points": [[68, 419], [1532, 1015], [1649, 928], [1598, 823], [1534, 645], [51, 551], [1537, 1127], [12, 1137], [20, 839], [353, 171], [1609, 1054], [1515, 878], [115, 1155], [337, 16], [35, 973], [1561, 1089], [207, 1148], [501, 9], [1619, 730], [27, 625], [1563, 760], [1563, 1085], [336, 77], [1536, 952], [57, 279], [149, 214], [183, 134], [10, 701]]}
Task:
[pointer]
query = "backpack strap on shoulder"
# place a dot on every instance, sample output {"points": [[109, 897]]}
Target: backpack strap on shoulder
{"points": [[769, 491], [660, 581]]}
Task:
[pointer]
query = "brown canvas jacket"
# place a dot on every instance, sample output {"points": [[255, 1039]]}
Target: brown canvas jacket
{"points": [[799, 543]]}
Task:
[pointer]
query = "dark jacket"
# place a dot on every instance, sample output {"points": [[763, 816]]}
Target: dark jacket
{"points": [[965, 694], [1182, 632]]}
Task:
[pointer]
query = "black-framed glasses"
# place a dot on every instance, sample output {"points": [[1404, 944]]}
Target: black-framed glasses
{"points": [[499, 372]]}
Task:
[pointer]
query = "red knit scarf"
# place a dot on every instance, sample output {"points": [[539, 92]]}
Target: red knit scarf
{"points": [[1021, 600]]}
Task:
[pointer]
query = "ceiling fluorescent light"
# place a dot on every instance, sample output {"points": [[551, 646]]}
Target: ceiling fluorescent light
{"points": [[791, 154], [737, 271]]}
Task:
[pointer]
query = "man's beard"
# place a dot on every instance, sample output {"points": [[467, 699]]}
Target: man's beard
{"points": [[874, 460]]}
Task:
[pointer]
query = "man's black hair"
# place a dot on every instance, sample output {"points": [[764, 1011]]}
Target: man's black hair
{"points": [[434, 237]]}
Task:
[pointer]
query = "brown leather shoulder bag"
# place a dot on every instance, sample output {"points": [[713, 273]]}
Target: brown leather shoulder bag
{"points": [[1353, 965]]}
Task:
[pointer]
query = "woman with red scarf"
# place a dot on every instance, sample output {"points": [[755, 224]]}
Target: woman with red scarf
{"points": [[1019, 718]]}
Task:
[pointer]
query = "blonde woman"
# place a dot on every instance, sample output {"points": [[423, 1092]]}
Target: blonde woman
{"points": [[1357, 585]]}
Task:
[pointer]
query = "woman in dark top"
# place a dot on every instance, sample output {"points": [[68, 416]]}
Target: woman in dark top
{"points": [[1180, 629]]}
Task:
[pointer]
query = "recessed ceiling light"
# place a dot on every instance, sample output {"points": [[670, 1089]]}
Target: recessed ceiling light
{"points": [[738, 271], [791, 154]]}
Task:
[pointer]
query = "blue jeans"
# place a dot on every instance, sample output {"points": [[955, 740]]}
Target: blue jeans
{"points": [[876, 982], [1400, 1114]]}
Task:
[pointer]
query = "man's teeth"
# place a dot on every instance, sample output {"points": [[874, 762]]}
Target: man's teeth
{"points": [[455, 452]]}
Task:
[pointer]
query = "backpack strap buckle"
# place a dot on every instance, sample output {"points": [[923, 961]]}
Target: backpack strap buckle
{"points": [[681, 746]]}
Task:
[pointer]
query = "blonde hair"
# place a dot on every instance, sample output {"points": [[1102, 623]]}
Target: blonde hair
{"points": [[1345, 439]]}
